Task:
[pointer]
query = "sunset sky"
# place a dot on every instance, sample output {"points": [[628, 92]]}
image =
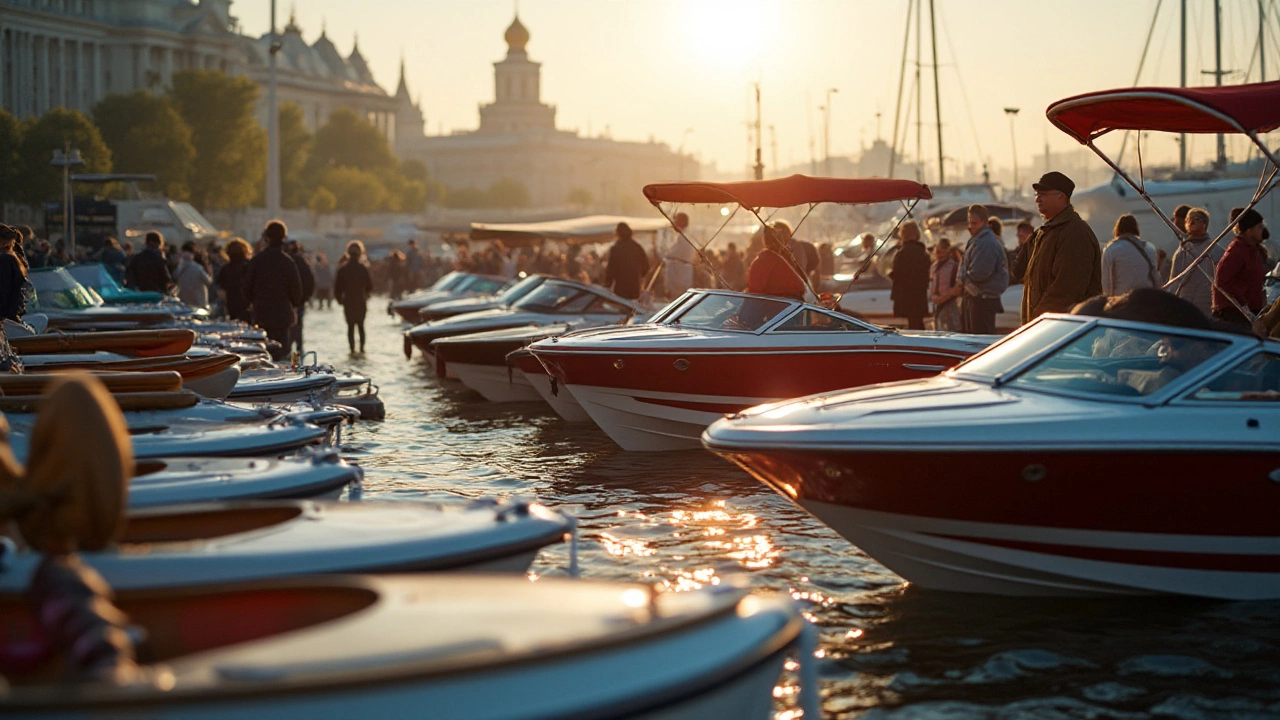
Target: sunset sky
{"points": [[654, 68]]}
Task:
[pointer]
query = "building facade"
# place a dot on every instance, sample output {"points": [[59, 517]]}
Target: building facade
{"points": [[71, 53], [517, 139]]}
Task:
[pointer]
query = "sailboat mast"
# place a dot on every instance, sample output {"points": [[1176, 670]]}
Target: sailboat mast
{"points": [[1262, 42], [1182, 139], [902, 76], [1217, 74], [919, 102], [937, 95], [759, 152]]}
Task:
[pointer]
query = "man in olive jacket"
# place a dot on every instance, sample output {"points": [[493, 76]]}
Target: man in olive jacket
{"points": [[273, 287], [1064, 264]]}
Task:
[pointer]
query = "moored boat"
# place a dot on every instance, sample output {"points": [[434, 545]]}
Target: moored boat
{"points": [[1080, 456], [547, 386], [479, 360], [172, 481]]}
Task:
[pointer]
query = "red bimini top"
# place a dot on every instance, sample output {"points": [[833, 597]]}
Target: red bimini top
{"points": [[1250, 109], [789, 191]]}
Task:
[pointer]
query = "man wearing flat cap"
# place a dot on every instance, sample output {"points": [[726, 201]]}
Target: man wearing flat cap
{"points": [[1064, 260], [1241, 272]]}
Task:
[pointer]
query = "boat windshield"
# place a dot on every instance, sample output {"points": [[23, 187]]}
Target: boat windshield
{"points": [[729, 312], [519, 289], [1017, 349], [554, 297], [1119, 361], [57, 290], [449, 281]]}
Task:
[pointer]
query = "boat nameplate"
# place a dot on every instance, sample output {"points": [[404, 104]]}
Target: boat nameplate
{"points": [[681, 364]]}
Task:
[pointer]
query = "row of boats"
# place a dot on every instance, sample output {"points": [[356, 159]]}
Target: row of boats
{"points": [[229, 579], [1083, 455]]}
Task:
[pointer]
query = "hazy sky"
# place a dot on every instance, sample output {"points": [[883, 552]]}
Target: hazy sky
{"points": [[654, 68]]}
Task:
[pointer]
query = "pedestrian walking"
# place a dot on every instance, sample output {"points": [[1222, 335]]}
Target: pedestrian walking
{"points": [[628, 265], [273, 288], [148, 271], [910, 276], [231, 280], [324, 281], [352, 287]]}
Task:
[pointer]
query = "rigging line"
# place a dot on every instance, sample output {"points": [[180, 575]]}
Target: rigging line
{"points": [[964, 94], [902, 76], [700, 250], [867, 263], [1142, 61]]}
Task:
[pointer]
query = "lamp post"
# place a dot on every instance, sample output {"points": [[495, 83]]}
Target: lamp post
{"points": [[273, 122], [66, 158], [826, 133], [680, 152], [1012, 112]]}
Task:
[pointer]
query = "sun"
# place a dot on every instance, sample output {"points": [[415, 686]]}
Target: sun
{"points": [[729, 34]]}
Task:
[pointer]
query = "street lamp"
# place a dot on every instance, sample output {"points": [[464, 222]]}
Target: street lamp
{"points": [[1012, 112], [273, 122], [680, 152], [826, 133], [66, 158]]}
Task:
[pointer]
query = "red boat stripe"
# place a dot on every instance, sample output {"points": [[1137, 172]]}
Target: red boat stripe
{"points": [[1153, 558]]}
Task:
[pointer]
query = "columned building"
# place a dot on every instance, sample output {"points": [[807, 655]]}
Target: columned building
{"points": [[517, 139], [71, 53]]}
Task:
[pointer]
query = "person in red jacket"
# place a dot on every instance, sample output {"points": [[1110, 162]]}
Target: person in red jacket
{"points": [[771, 273], [1240, 272]]}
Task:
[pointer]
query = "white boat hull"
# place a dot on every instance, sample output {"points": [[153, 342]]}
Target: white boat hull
{"points": [[497, 384], [170, 481], [999, 559], [559, 397], [647, 421], [217, 386]]}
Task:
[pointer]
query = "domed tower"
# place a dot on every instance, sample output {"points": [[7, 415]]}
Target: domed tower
{"points": [[517, 90]]}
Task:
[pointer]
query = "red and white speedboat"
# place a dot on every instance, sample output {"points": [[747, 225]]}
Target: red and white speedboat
{"points": [[658, 386], [1080, 456], [479, 360]]}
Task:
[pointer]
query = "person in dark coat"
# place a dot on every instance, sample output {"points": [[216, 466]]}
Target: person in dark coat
{"points": [[148, 271], [1064, 259], [231, 280], [294, 249], [113, 258], [352, 287], [910, 277], [13, 275], [273, 287], [627, 266]]}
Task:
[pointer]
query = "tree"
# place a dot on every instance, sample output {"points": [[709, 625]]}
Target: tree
{"points": [[146, 135], [295, 148], [231, 149], [355, 191], [415, 170], [508, 193], [348, 140], [466, 198], [10, 148], [580, 197], [41, 181], [322, 201]]}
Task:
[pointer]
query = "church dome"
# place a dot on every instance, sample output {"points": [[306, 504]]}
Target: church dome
{"points": [[517, 36]]}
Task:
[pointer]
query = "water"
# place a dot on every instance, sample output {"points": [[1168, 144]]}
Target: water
{"points": [[888, 650]]}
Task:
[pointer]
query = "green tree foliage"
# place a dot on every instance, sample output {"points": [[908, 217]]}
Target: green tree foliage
{"points": [[580, 197], [356, 191], [10, 147], [348, 140], [508, 193], [295, 148], [231, 148], [146, 135], [322, 201], [466, 198], [415, 170], [41, 181]]}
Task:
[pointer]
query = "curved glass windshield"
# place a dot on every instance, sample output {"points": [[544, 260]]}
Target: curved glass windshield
{"points": [[520, 289], [449, 281], [57, 290], [555, 297], [1120, 362], [730, 312], [1017, 349]]}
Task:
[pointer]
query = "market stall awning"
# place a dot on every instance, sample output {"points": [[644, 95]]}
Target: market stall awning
{"points": [[789, 191], [1253, 108], [575, 231]]}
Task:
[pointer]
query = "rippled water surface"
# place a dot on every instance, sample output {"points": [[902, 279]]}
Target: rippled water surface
{"points": [[683, 520]]}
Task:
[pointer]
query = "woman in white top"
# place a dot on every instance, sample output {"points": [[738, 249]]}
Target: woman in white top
{"points": [[1128, 261], [193, 282]]}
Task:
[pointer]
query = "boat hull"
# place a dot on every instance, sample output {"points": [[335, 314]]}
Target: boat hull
{"points": [[1104, 522], [496, 383], [659, 401]]}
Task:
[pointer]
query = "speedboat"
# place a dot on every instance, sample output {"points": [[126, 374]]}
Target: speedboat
{"points": [[272, 439], [212, 375], [1080, 456], [211, 544], [479, 360], [547, 386], [174, 481], [452, 286], [132, 343], [506, 298], [71, 306], [657, 386], [95, 277], [469, 646], [555, 302]]}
